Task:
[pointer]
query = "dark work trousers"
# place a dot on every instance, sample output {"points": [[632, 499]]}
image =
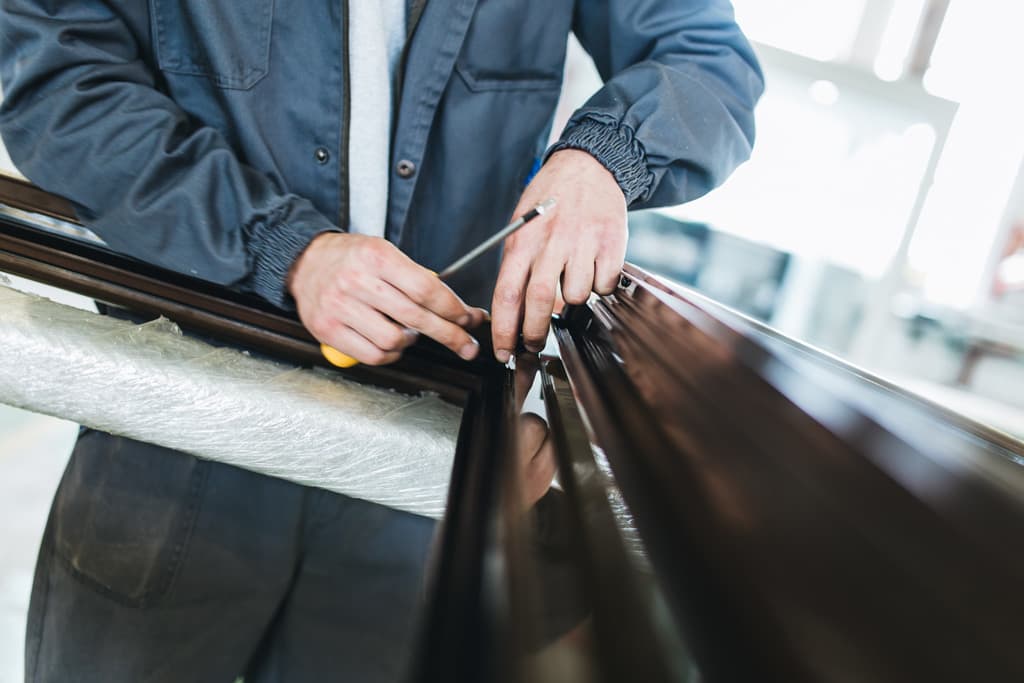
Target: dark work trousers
{"points": [[157, 566]]}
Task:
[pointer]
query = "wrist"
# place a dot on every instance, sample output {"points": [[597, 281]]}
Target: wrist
{"points": [[316, 244], [580, 158], [274, 241], [616, 149]]}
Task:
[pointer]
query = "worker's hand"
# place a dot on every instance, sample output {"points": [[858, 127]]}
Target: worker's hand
{"points": [[368, 300], [582, 244], [536, 459], [535, 449]]}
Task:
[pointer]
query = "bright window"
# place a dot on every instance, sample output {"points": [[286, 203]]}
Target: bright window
{"points": [[977, 62], [838, 166], [820, 29]]}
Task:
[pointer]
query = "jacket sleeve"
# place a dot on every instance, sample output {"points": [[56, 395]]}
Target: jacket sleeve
{"points": [[82, 117], [676, 114]]}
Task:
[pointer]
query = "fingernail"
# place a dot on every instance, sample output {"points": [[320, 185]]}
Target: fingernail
{"points": [[469, 351], [465, 320], [502, 355]]}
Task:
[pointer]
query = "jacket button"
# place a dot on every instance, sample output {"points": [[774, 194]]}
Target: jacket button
{"points": [[321, 155], [405, 168]]}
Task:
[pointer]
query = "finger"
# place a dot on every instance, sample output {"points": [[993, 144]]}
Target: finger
{"points": [[426, 289], [376, 327], [540, 300], [478, 317], [533, 431], [399, 307], [578, 280], [507, 305], [606, 274], [537, 465], [527, 366], [559, 303], [351, 343]]}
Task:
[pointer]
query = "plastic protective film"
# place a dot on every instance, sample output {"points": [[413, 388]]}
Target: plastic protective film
{"points": [[151, 383]]}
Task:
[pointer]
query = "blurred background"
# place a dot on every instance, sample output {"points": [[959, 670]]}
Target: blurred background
{"points": [[881, 219]]}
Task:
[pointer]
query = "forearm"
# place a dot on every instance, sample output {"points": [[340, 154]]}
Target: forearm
{"points": [[675, 116], [82, 117]]}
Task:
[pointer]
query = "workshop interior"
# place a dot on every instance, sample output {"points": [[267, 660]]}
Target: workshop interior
{"points": [[788, 446]]}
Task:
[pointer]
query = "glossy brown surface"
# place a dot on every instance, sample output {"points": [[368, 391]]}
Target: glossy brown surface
{"points": [[808, 522], [798, 519], [27, 197]]}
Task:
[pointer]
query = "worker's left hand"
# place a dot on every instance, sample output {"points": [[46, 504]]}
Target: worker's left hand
{"points": [[582, 244]]}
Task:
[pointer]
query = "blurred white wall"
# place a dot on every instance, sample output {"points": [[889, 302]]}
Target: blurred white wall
{"points": [[888, 169]]}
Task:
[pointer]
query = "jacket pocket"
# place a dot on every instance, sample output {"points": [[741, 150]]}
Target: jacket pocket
{"points": [[482, 81], [227, 41], [123, 516], [515, 45]]}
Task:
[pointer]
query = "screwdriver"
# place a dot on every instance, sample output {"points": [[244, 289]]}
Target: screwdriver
{"points": [[336, 357]]}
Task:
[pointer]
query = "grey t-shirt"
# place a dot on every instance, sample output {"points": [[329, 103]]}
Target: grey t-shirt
{"points": [[376, 35]]}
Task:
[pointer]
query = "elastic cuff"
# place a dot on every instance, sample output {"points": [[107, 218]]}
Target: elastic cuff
{"points": [[275, 246], [616, 148]]}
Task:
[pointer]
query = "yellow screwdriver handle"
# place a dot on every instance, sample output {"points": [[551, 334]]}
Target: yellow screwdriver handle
{"points": [[336, 357]]}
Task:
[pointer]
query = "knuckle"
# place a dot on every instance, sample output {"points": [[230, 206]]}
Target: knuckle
{"points": [[375, 255], [415, 317], [503, 337], [540, 293], [409, 338], [392, 339], [373, 247], [451, 336], [518, 242], [420, 289], [503, 323], [507, 295], [376, 356], [458, 341], [317, 327], [343, 283], [542, 228], [503, 332], [321, 326]]}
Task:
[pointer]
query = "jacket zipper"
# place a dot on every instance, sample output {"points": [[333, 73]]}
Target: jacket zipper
{"points": [[346, 115]]}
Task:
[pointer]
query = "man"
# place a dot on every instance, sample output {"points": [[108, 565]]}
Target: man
{"points": [[327, 156]]}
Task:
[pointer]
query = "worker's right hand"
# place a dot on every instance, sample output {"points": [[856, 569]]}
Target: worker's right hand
{"points": [[364, 297]]}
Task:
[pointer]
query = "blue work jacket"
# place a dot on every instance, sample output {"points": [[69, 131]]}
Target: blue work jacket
{"points": [[209, 136]]}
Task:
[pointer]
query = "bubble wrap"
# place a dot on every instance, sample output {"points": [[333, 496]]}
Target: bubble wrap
{"points": [[148, 382]]}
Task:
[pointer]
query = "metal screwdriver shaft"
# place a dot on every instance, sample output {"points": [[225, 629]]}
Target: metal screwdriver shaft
{"points": [[496, 239]]}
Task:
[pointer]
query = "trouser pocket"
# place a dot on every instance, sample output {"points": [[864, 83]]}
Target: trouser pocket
{"points": [[124, 514]]}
